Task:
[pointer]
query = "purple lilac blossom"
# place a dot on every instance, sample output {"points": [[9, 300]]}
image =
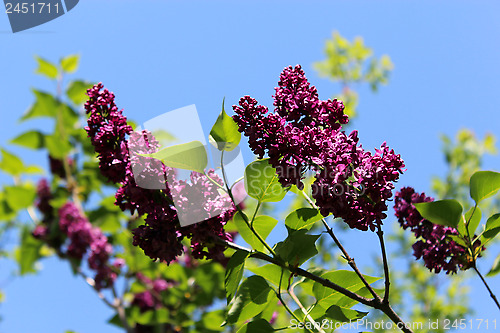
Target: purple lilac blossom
{"points": [[304, 133], [433, 244], [144, 189]]}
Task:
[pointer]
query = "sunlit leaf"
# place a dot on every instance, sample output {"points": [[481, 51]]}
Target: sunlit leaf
{"points": [[443, 212]]}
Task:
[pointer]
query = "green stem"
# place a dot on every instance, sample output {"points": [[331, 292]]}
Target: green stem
{"points": [[214, 181], [304, 311], [236, 182], [245, 218], [278, 294]]}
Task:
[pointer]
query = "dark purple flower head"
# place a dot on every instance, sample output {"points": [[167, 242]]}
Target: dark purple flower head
{"points": [[433, 244], [298, 102], [293, 134], [107, 128], [304, 133]]}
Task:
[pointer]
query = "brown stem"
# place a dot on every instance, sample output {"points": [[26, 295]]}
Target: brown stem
{"points": [[380, 235], [492, 295], [375, 303]]}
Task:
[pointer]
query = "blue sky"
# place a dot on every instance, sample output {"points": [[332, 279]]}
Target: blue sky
{"points": [[160, 56]]}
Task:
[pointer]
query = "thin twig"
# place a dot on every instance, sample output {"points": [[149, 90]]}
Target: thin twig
{"points": [[350, 260], [90, 281], [492, 295], [380, 235], [304, 311], [472, 251]]}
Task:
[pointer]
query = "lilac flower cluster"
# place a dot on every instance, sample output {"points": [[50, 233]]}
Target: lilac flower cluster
{"points": [[304, 133], [354, 184], [82, 237], [434, 246], [107, 128], [293, 135], [161, 236]]}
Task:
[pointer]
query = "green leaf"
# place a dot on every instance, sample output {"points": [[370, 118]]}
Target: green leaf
{"points": [[46, 68], [30, 139], [251, 299], [234, 273], [45, 106], [298, 247], [474, 221], [443, 212], [271, 273], [6, 212], [11, 164], [77, 91], [20, 197], [484, 184], [495, 269], [492, 227], [346, 279], [261, 182], [224, 134], [212, 321], [187, 156], [303, 218], [28, 252], [57, 147], [149, 317], [343, 314], [69, 64], [256, 326], [262, 224], [107, 216]]}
